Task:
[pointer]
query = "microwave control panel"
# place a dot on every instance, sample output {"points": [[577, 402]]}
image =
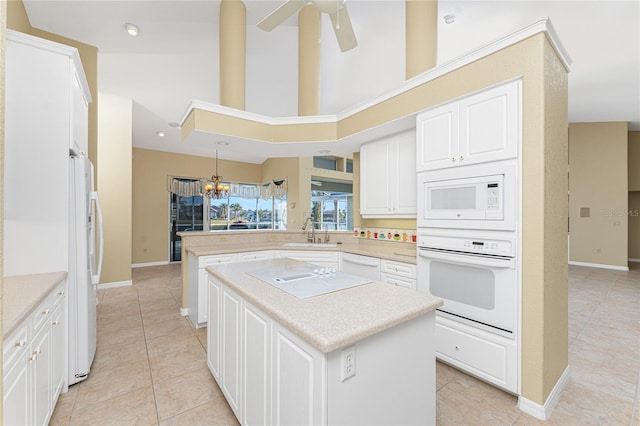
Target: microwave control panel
{"points": [[493, 196]]}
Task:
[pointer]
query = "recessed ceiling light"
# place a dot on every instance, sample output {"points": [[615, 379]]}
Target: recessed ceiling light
{"points": [[160, 133], [174, 124], [449, 19], [223, 143], [132, 29], [324, 151]]}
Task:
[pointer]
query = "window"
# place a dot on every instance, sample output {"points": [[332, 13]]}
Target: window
{"points": [[248, 206], [330, 210]]}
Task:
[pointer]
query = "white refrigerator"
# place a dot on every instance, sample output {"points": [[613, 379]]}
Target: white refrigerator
{"points": [[85, 264]]}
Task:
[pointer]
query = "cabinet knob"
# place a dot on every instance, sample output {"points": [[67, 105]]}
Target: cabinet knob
{"points": [[61, 293], [55, 322], [453, 159], [36, 352], [20, 343], [45, 312], [33, 357], [457, 347], [461, 158]]}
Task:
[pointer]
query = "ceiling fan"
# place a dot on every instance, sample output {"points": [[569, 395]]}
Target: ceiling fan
{"points": [[337, 10]]}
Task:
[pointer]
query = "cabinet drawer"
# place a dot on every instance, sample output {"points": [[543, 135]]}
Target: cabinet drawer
{"points": [[216, 259], [41, 314], [402, 269], [58, 294], [310, 255], [255, 255], [14, 346], [487, 356], [398, 280]]}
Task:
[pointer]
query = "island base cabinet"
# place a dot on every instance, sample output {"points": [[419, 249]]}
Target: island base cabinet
{"points": [[299, 385], [394, 380], [271, 376]]}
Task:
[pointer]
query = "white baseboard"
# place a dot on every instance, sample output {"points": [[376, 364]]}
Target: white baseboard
{"points": [[631, 259], [184, 312], [543, 412], [143, 265], [116, 284], [599, 265]]}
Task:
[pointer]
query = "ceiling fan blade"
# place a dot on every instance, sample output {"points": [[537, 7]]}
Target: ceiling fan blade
{"points": [[279, 15], [344, 31]]}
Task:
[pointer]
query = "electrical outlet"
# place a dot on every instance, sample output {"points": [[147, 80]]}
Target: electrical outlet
{"points": [[348, 358]]}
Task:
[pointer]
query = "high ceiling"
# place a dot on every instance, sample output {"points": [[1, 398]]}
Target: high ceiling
{"points": [[174, 59]]}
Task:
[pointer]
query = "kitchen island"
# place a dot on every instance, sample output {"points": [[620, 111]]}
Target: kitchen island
{"points": [[360, 355]]}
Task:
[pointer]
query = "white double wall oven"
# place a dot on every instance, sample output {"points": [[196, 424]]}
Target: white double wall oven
{"points": [[468, 218]]}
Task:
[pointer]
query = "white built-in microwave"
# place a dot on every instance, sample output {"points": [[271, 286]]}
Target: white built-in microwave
{"points": [[474, 197]]}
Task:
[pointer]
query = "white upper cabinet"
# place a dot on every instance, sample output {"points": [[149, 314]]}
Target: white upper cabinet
{"points": [[479, 128], [387, 177]]}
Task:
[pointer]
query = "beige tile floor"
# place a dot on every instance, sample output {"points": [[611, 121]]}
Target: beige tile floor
{"points": [[150, 365]]}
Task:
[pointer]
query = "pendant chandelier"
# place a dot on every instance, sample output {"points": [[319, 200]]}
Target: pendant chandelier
{"points": [[214, 188]]}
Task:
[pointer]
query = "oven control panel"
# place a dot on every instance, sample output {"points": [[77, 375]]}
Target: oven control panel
{"points": [[498, 247]]}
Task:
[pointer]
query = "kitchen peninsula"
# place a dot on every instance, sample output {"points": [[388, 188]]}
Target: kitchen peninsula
{"points": [[361, 355]]}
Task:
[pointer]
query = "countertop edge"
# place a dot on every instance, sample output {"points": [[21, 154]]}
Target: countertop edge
{"points": [[327, 345], [399, 255], [37, 286]]}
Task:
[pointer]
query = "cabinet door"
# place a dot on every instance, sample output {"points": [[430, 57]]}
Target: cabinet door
{"points": [[437, 138], [39, 370], [230, 349], [490, 125], [16, 390], [203, 277], [404, 190], [214, 328], [58, 348], [256, 344], [375, 172], [298, 380]]}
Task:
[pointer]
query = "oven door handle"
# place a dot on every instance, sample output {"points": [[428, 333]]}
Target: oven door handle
{"points": [[467, 260]]}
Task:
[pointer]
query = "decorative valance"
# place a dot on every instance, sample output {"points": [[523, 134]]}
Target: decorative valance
{"points": [[192, 188]]}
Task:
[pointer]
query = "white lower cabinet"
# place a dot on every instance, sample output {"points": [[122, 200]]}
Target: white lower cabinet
{"points": [[230, 372], [250, 256], [197, 297], [33, 363], [317, 257], [299, 381], [271, 376], [398, 273], [267, 374], [256, 365], [488, 356]]}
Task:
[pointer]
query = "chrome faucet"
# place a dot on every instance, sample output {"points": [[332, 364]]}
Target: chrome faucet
{"points": [[311, 234]]}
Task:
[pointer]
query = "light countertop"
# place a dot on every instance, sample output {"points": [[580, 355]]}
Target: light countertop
{"points": [[333, 320], [21, 295], [389, 251]]}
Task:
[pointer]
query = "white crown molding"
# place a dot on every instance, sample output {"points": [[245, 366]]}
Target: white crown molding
{"points": [[541, 26]]}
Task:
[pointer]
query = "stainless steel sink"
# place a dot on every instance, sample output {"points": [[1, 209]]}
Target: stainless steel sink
{"points": [[310, 245]]}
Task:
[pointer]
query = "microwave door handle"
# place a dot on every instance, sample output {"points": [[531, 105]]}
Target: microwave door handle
{"points": [[468, 260]]}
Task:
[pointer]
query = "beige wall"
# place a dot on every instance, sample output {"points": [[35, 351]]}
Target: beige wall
{"points": [[114, 185], [634, 225], [3, 26], [633, 162], [150, 239], [598, 181], [289, 168]]}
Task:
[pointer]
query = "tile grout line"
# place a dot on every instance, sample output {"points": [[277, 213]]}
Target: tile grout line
{"points": [[146, 347]]}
